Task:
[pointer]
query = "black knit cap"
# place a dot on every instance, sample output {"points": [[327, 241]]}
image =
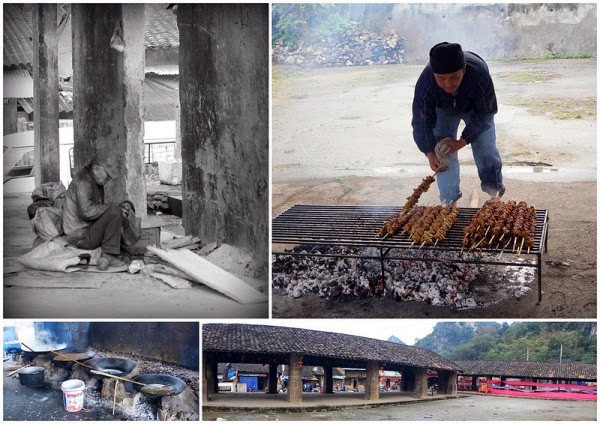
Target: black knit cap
{"points": [[446, 58]]}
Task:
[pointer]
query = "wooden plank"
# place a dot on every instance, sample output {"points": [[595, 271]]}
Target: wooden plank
{"points": [[211, 275]]}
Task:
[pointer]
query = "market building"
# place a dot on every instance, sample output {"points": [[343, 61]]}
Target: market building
{"points": [[296, 348]]}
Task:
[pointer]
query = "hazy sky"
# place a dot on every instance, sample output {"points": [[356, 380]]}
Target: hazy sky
{"points": [[407, 330]]}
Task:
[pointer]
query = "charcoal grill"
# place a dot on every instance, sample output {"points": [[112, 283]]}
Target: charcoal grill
{"points": [[357, 226]]}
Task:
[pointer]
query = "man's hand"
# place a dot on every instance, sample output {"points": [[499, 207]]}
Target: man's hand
{"points": [[455, 145], [434, 162]]}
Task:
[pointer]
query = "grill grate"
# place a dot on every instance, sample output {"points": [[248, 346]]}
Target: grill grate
{"points": [[357, 226]]}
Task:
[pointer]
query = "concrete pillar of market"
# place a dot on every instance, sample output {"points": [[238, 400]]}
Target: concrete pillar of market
{"points": [[502, 381], [535, 381], [474, 383], [447, 382], [328, 378], [421, 382], [207, 377], [46, 147], [108, 78], [224, 99], [215, 377], [272, 378], [372, 382], [408, 380], [295, 379]]}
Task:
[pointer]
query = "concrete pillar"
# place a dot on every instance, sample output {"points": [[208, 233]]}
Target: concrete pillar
{"points": [[535, 381], [272, 378], [447, 382], [46, 150], [474, 383], [328, 378], [295, 379], [372, 382], [502, 381], [223, 88], [108, 94], [207, 377], [10, 116], [420, 382], [215, 377]]}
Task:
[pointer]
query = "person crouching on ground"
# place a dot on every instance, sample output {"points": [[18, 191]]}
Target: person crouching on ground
{"points": [[455, 86], [90, 223]]}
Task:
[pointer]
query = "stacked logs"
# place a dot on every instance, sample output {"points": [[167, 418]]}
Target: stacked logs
{"points": [[498, 224]]}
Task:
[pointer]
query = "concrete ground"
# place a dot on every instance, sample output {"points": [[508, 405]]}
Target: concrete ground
{"points": [[40, 294], [342, 136], [310, 401], [475, 408], [45, 404]]}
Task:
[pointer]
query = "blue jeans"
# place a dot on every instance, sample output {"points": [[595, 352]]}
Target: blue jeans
{"points": [[485, 153]]}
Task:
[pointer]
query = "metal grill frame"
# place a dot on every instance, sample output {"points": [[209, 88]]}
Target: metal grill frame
{"points": [[357, 226]]}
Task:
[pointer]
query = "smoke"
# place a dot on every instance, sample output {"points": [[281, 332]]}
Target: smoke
{"points": [[493, 30]]}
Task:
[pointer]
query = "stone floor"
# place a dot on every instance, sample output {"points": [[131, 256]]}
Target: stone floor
{"points": [[310, 401]]}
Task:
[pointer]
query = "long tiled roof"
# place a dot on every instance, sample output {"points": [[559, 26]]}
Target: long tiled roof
{"points": [[160, 32], [284, 340], [566, 370]]}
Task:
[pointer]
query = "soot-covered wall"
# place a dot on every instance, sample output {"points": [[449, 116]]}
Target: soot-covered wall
{"points": [[176, 342]]}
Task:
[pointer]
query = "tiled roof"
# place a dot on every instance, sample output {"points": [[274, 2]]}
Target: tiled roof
{"points": [[160, 32], [168, 69], [17, 37], [161, 27], [284, 340], [566, 370], [65, 103]]}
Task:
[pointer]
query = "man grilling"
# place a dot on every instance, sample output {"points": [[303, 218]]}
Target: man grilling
{"points": [[90, 223], [455, 86]]}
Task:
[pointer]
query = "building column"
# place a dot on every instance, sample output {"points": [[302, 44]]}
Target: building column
{"points": [[372, 382], [108, 78], [328, 378], [223, 88], [421, 382], [272, 378], [207, 377], [295, 379], [447, 382], [502, 381], [474, 383], [535, 381], [46, 150]]}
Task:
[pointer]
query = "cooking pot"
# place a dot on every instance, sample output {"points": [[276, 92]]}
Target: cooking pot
{"points": [[31, 376]]}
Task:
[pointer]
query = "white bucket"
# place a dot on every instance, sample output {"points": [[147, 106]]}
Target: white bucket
{"points": [[73, 395]]}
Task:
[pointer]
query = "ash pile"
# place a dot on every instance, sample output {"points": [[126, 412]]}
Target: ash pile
{"points": [[459, 285], [355, 47]]}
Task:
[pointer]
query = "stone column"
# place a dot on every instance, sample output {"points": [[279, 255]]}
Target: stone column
{"points": [[46, 150], [447, 382], [420, 382], [535, 381], [108, 80], [295, 379], [372, 383], [328, 378], [272, 378], [223, 88], [502, 381]]}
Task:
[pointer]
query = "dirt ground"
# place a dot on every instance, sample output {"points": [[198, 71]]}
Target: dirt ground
{"points": [[471, 408], [343, 137], [41, 294]]}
